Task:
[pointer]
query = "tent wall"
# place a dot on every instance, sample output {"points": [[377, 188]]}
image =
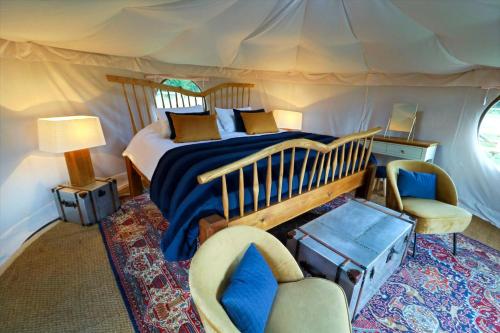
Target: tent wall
{"points": [[30, 89], [448, 115]]}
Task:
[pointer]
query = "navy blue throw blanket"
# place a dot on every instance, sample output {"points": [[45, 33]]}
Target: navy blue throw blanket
{"points": [[183, 202]]}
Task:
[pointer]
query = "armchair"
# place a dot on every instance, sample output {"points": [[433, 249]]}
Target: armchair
{"points": [[440, 216], [301, 304]]}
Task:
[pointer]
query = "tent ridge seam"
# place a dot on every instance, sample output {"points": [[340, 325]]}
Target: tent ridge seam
{"points": [[30, 51]]}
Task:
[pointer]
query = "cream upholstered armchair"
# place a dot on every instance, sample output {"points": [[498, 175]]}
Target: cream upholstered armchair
{"points": [[440, 216], [301, 304]]}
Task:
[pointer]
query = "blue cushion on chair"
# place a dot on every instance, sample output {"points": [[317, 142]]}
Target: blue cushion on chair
{"points": [[417, 184], [249, 297]]}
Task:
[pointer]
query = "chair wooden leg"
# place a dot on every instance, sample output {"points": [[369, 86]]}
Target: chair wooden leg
{"points": [[414, 245], [455, 244], [385, 186], [374, 185]]}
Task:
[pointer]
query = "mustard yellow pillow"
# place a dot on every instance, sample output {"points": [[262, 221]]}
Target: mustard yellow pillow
{"points": [[259, 122], [195, 128]]}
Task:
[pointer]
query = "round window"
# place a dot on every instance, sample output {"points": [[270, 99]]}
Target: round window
{"points": [[488, 133]]}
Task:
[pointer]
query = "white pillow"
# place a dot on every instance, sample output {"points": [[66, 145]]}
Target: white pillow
{"points": [[163, 121], [225, 118]]}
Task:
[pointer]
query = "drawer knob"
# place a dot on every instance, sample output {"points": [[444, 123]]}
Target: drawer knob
{"points": [[402, 151]]}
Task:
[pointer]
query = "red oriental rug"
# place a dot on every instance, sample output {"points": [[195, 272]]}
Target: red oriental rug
{"points": [[433, 292]]}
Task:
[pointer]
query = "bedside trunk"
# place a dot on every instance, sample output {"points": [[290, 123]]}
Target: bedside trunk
{"points": [[358, 245], [88, 204]]}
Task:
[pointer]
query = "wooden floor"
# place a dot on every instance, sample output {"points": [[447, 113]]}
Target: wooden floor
{"points": [[63, 282], [484, 232], [479, 229]]}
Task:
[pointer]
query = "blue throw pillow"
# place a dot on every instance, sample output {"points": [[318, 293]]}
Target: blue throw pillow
{"points": [[249, 297], [417, 184]]}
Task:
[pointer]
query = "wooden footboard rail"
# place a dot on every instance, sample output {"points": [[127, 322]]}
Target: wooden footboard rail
{"points": [[341, 154]]}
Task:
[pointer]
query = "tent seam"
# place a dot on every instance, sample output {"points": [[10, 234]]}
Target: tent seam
{"points": [[351, 29]]}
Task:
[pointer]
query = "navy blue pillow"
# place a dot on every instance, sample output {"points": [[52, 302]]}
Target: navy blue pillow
{"points": [[381, 172], [417, 184], [238, 121], [249, 297], [171, 123]]}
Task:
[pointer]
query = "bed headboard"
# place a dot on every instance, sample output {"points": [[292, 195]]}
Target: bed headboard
{"points": [[144, 96], [228, 96]]}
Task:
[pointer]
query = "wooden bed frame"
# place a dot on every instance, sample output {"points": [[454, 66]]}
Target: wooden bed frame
{"points": [[236, 95]]}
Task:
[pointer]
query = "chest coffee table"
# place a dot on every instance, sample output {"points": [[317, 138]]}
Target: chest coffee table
{"points": [[357, 245]]}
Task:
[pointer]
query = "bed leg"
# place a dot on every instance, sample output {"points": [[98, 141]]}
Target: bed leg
{"points": [[134, 179], [365, 191], [210, 225]]}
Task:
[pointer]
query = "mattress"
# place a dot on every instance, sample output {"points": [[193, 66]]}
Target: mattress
{"points": [[148, 146]]}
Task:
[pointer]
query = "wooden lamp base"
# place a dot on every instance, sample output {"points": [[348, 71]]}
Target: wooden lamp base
{"points": [[80, 169]]}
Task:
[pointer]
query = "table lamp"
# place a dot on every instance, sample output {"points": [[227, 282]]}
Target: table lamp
{"points": [[72, 136], [289, 120]]}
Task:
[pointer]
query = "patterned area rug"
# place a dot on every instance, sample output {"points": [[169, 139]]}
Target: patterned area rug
{"points": [[434, 292]]}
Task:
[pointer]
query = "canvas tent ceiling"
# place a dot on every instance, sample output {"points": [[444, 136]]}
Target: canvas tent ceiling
{"points": [[310, 36]]}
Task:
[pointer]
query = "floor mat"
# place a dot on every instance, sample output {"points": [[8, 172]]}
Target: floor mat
{"points": [[432, 292]]}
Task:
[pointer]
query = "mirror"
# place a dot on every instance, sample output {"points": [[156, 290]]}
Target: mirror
{"points": [[402, 120]]}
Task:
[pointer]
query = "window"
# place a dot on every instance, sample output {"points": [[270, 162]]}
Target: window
{"points": [[170, 99], [184, 84], [489, 131]]}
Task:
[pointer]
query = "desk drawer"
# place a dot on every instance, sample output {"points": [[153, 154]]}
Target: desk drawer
{"points": [[379, 147], [406, 152]]}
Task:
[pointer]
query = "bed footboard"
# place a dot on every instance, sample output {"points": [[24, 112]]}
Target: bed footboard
{"points": [[346, 159]]}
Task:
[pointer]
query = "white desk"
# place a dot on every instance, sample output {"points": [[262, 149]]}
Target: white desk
{"points": [[409, 150]]}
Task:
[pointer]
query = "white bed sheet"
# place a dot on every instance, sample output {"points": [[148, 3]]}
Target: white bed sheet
{"points": [[148, 146]]}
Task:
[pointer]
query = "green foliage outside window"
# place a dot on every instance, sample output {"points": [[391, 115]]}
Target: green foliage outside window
{"points": [[165, 99], [184, 84], [489, 133]]}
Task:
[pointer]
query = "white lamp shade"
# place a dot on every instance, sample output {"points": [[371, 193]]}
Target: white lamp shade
{"points": [[288, 119], [63, 134]]}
